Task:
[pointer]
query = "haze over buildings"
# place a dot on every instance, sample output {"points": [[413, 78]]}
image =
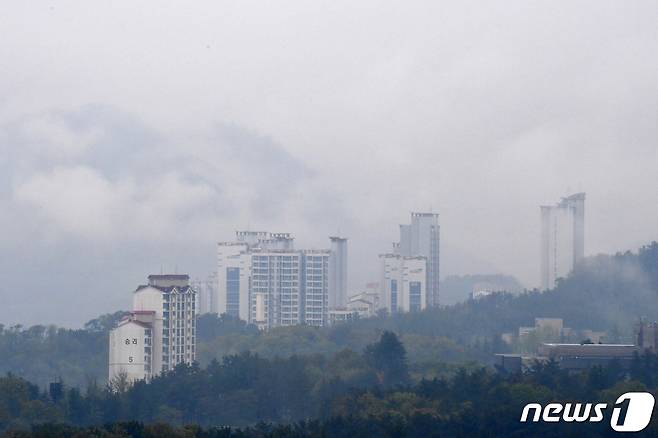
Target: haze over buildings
{"points": [[263, 279], [131, 140], [562, 238], [421, 238]]}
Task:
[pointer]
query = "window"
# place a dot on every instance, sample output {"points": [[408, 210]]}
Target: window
{"points": [[394, 296], [233, 291], [414, 296]]}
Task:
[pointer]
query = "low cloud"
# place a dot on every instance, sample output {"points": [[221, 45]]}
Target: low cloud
{"points": [[95, 180]]}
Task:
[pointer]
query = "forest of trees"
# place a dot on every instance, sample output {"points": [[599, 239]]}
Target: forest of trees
{"points": [[349, 394]]}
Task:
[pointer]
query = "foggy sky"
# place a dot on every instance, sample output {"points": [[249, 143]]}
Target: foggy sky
{"points": [[133, 136]]}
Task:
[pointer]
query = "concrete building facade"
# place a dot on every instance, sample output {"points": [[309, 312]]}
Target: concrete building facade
{"points": [[131, 349], [403, 283], [338, 273]]}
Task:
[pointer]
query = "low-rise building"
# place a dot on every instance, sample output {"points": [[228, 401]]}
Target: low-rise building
{"points": [[581, 356], [342, 315], [366, 304], [592, 351]]}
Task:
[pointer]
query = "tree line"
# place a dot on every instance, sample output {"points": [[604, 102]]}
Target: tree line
{"points": [[351, 394]]}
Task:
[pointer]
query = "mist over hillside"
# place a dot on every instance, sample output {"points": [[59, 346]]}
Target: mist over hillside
{"points": [[458, 288]]}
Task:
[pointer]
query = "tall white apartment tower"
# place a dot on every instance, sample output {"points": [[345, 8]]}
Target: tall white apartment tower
{"points": [[562, 238], [159, 333], [338, 273], [276, 289], [233, 273], [421, 238], [316, 282]]}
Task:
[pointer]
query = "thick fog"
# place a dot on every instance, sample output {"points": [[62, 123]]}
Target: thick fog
{"points": [[134, 135]]}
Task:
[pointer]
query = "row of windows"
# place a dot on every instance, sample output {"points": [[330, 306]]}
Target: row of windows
{"points": [[233, 291], [188, 296], [414, 296]]}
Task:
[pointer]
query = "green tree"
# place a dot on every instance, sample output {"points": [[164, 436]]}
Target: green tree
{"points": [[389, 358]]}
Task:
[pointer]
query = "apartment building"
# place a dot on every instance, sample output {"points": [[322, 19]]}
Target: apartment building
{"points": [[159, 333]]}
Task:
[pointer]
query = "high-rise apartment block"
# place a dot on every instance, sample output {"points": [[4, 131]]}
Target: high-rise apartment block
{"points": [[403, 283], [263, 279], [276, 289], [421, 238], [562, 238], [316, 282], [159, 333]]}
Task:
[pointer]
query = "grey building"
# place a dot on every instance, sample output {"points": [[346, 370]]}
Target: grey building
{"points": [[562, 238], [421, 238], [338, 273]]}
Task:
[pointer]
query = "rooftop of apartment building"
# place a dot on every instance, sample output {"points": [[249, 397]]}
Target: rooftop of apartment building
{"points": [[168, 277], [168, 280], [423, 214], [392, 255]]}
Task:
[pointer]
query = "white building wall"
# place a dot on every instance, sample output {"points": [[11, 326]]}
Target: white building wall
{"points": [[231, 255], [245, 278], [389, 266], [150, 299], [398, 275], [179, 328], [413, 274], [127, 352], [276, 289], [316, 287], [338, 273]]}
